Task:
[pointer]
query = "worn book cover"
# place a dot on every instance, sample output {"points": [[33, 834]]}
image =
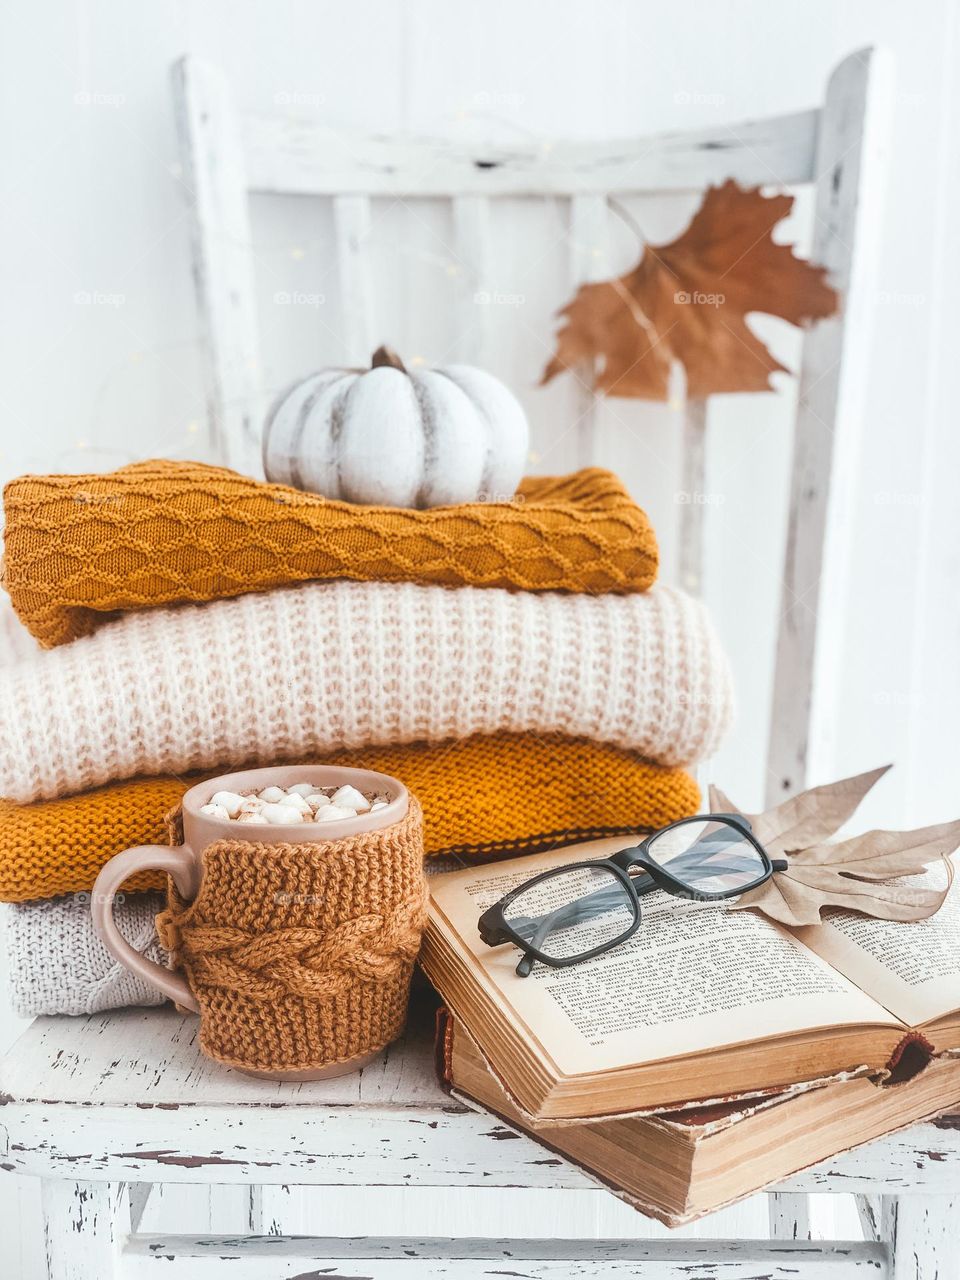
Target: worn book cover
{"points": [[678, 1166]]}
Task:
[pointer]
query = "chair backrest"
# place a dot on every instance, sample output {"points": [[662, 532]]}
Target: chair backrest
{"points": [[836, 148]]}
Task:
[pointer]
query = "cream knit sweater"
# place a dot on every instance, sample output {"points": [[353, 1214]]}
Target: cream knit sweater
{"points": [[57, 964], [332, 665]]}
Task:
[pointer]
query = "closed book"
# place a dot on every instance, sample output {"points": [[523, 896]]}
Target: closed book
{"points": [[677, 1166]]}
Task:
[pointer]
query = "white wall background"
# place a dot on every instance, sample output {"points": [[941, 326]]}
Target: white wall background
{"points": [[98, 346]]}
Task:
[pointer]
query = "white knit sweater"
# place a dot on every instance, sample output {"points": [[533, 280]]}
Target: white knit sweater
{"points": [[334, 665], [57, 964]]}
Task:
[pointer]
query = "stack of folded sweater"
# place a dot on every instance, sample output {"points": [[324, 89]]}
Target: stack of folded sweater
{"points": [[513, 663]]}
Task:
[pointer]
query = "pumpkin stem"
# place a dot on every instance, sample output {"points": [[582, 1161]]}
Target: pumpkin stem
{"points": [[386, 357]]}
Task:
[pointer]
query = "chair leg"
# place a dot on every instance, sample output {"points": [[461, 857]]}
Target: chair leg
{"points": [[871, 1213], [270, 1210], [789, 1216], [922, 1234], [139, 1194], [85, 1225]]}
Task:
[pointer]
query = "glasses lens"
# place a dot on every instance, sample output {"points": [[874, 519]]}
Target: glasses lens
{"points": [[572, 911], [710, 856]]}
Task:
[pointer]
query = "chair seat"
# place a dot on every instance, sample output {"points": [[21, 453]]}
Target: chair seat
{"points": [[128, 1096]]}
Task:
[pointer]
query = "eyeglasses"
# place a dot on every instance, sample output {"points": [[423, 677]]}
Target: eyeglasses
{"points": [[571, 913]]}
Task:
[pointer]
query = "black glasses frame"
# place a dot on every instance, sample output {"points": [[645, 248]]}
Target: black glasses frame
{"points": [[495, 931]]}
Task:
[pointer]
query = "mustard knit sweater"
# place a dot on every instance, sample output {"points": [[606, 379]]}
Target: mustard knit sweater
{"points": [[79, 549], [480, 797]]}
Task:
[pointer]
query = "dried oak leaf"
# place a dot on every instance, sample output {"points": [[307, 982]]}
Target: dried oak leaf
{"points": [[688, 301], [807, 818], [850, 873]]}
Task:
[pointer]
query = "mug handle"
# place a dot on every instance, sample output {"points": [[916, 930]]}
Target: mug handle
{"points": [[178, 862]]}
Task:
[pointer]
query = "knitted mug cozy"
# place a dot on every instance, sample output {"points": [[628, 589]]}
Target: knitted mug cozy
{"points": [[300, 955]]}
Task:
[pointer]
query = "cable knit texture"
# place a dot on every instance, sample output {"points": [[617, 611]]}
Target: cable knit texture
{"points": [[480, 797], [325, 666], [57, 964], [80, 547], [300, 956]]}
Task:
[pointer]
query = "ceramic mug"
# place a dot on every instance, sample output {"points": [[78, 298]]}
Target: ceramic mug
{"points": [[184, 863]]}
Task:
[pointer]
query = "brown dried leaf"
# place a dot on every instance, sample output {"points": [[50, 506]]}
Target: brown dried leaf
{"points": [[878, 855], [805, 819], [850, 873], [688, 301], [797, 896]]}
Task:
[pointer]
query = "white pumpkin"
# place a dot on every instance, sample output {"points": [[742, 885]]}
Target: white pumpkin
{"points": [[388, 436]]}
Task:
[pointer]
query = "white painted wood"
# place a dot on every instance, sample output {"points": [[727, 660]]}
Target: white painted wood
{"points": [[151, 1057], [850, 147], [138, 1196], [85, 1225], [196, 1259], [789, 1216], [129, 1097], [692, 495], [869, 1211], [589, 262], [354, 229], [269, 1210], [522, 1213], [308, 157], [921, 1234], [478, 306], [212, 171]]}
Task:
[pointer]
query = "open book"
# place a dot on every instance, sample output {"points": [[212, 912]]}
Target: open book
{"points": [[701, 1003]]}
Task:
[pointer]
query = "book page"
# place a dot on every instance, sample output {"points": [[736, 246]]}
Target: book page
{"points": [[911, 969], [693, 977]]}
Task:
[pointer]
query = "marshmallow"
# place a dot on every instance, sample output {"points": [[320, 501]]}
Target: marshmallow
{"points": [[286, 814], [301, 802], [350, 798], [333, 813], [273, 795], [228, 800]]}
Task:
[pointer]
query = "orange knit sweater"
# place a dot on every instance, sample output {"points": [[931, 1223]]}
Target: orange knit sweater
{"points": [[481, 797], [80, 548]]}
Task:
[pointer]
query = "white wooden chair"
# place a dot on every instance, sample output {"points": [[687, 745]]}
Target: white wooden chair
{"points": [[102, 1109]]}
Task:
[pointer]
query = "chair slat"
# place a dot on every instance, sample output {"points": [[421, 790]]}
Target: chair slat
{"points": [[477, 301], [693, 467], [195, 1258], [589, 259], [353, 224], [848, 200], [306, 157], [213, 174]]}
